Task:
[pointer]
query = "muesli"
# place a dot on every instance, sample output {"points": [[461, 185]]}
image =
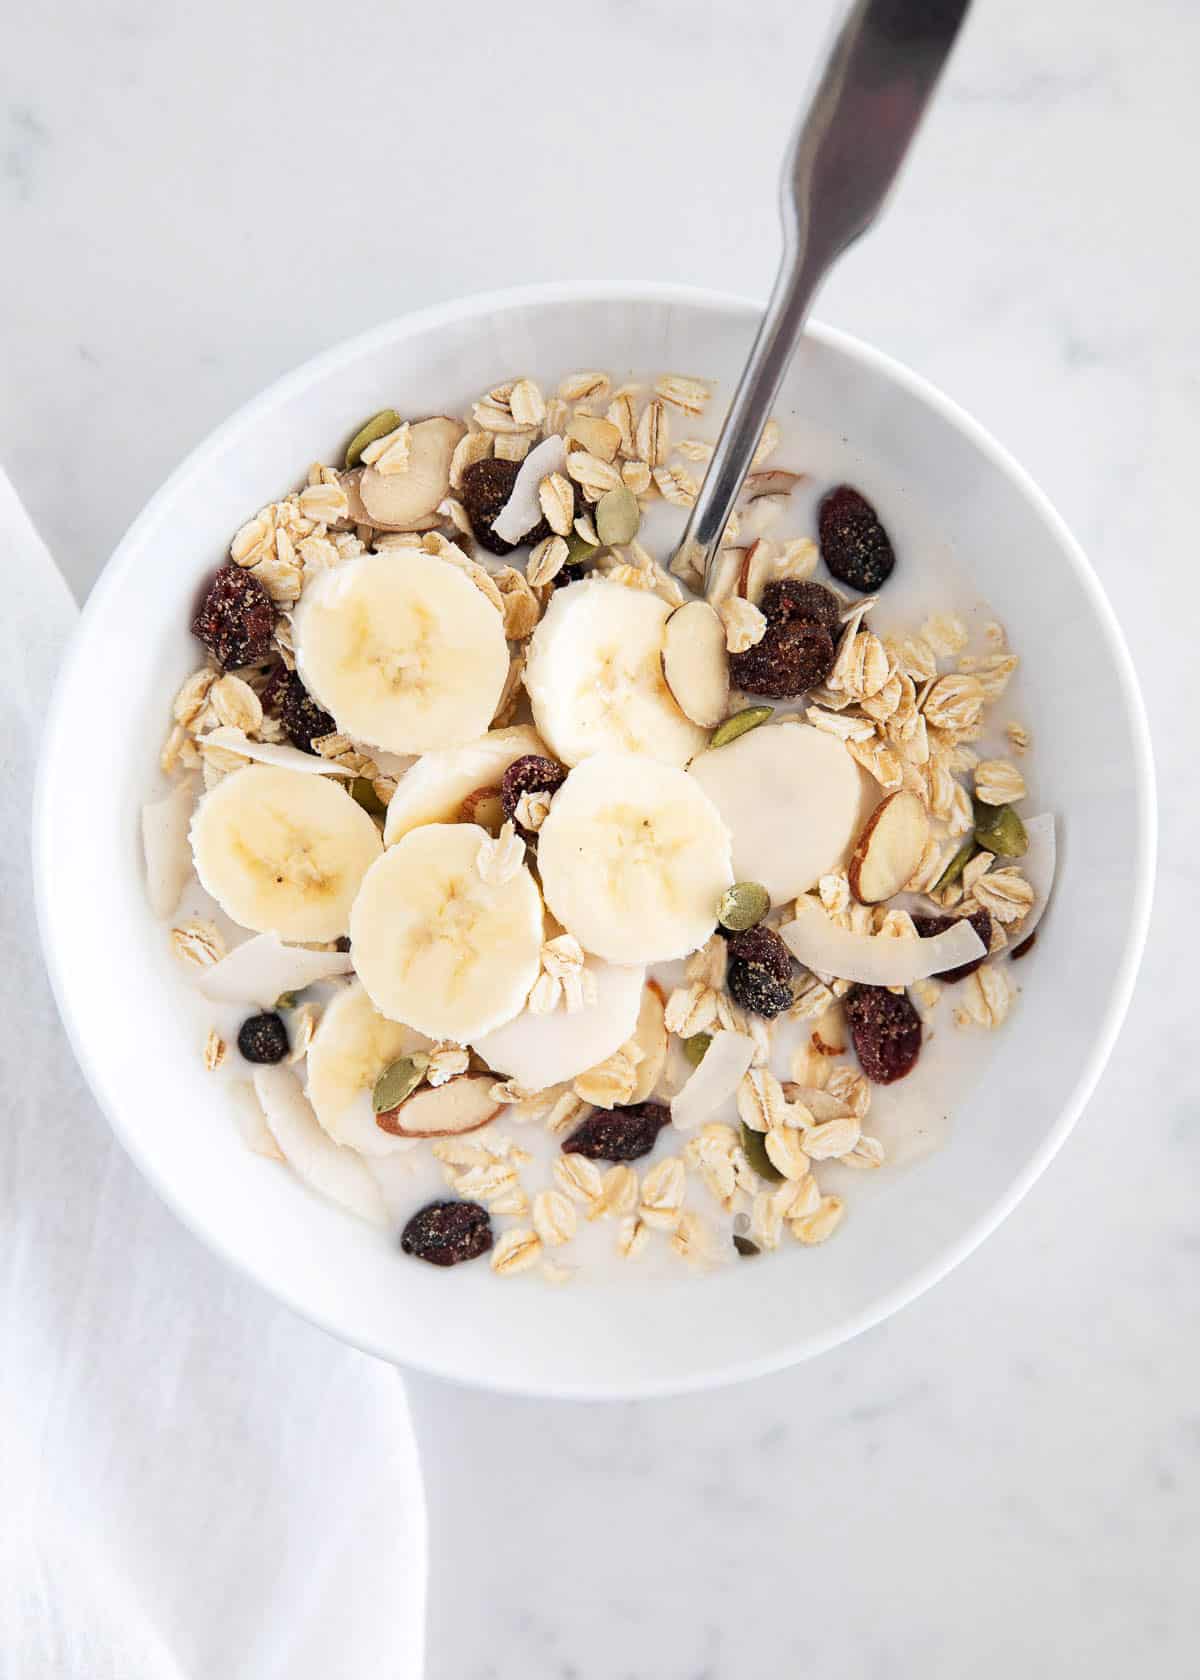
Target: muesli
{"points": [[539, 902]]}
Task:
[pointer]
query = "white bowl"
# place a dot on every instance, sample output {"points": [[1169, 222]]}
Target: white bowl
{"points": [[950, 489]]}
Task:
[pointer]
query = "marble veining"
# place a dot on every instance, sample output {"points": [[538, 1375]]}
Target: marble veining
{"points": [[1004, 1478]]}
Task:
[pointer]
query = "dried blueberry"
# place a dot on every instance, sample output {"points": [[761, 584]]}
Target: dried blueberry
{"points": [[298, 712], [854, 545], [980, 920], [762, 945], [792, 598], [263, 1038], [236, 619], [618, 1134], [756, 990], [446, 1233], [886, 1031], [531, 774], [793, 656]]}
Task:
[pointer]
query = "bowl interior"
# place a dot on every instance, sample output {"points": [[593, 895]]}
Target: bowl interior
{"points": [[951, 496]]}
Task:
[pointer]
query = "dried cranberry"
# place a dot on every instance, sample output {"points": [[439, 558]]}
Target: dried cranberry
{"points": [[762, 945], [446, 1233], [980, 920], [236, 619], [263, 1038], [618, 1134], [486, 487], [854, 544], [298, 712], [1024, 948], [792, 657], [755, 989], [886, 1031], [531, 774], [791, 598]]}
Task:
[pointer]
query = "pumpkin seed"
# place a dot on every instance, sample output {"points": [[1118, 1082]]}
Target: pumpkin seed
{"points": [[739, 724], [957, 864], [285, 1000], [755, 1146], [744, 1246], [999, 829], [579, 549], [362, 791], [695, 1047], [379, 425], [743, 906], [618, 516], [398, 1081]]}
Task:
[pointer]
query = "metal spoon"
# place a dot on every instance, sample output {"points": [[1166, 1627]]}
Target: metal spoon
{"points": [[839, 165]]}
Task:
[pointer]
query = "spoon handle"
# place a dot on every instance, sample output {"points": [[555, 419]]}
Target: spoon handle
{"points": [[840, 162]]}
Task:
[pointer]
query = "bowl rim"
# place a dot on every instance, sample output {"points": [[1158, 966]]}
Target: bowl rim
{"points": [[629, 293]]}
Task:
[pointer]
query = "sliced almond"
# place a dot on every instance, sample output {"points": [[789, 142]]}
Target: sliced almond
{"points": [[408, 501], [483, 806], [460, 1105], [650, 1036], [695, 663], [775, 483], [758, 564], [889, 848], [726, 574]]}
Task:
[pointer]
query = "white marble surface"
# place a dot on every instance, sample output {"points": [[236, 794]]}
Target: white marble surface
{"points": [[1005, 1478]]}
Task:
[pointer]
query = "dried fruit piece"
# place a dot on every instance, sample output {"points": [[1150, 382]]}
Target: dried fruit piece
{"points": [[531, 774], [398, 1081], [792, 657], [756, 990], [792, 598], [980, 920], [739, 724], [854, 545], [886, 1032], [764, 947], [743, 906], [378, 426], [299, 713], [755, 1146], [889, 848], [999, 829], [263, 1038], [446, 1233], [619, 1134], [236, 618]]}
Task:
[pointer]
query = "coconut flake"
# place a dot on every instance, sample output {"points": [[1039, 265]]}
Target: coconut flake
{"points": [[1037, 866], [828, 949], [393, 1175], [522, 511], [262, 968], [715, 1081], [273, 752], [165, 824], [334, 1172], [251, 1123]]}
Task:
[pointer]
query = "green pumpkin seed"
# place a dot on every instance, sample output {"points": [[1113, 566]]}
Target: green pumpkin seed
{"points": [[755, 1145], [957, 864], [999, 829], [285, 1000], [745, 1247], [695, 1047], [379, 425], [362, 791], [398, 1081], [579, 549], [739, 724], [743, 906], [618, 516]]}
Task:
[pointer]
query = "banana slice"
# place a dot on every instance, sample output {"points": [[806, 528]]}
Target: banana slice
{"points": [[434, 789], [634, 857], [439, 947], [542, 1050], [350, 1049], [595, 679], [283, 853], [403, 650]]}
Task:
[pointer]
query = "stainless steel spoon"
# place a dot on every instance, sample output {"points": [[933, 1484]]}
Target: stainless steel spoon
{"points": [[841, 161]]}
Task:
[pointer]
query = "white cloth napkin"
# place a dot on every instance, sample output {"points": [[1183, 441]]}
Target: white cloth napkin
{"points": [[192, 1481]]}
